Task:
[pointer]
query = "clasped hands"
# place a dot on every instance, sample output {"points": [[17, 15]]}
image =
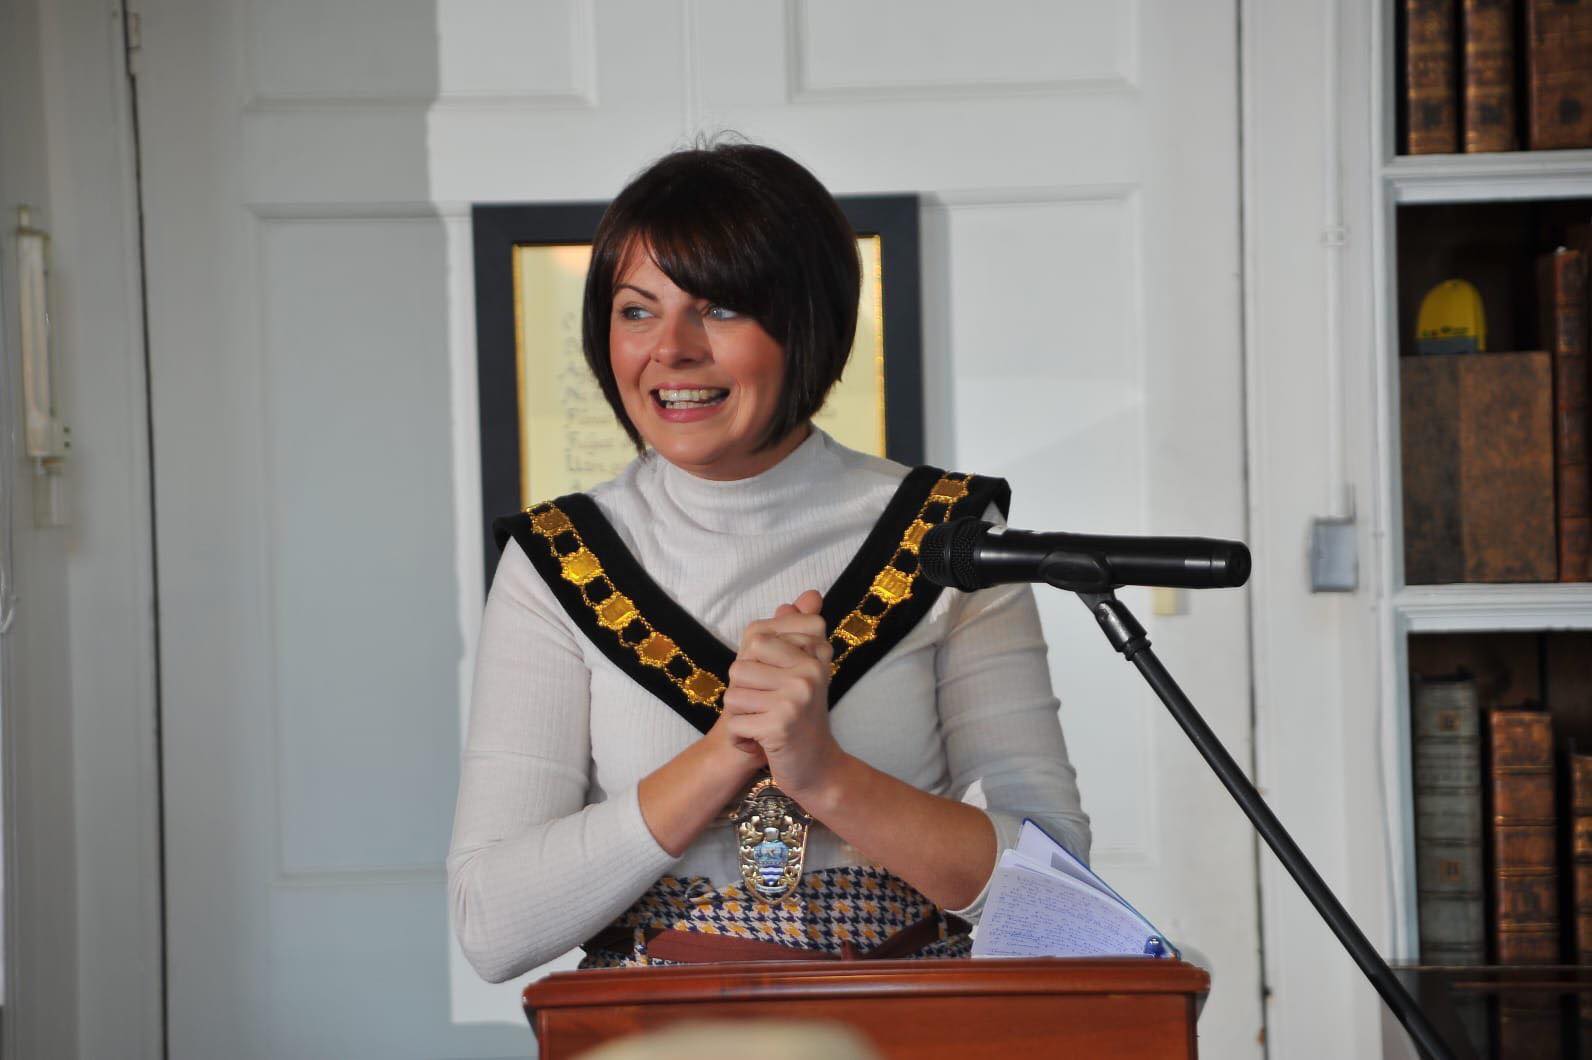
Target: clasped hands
{"points": [[776, 708]]}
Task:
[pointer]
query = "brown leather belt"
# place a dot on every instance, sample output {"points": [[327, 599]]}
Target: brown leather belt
{"points": [[696, 947]]}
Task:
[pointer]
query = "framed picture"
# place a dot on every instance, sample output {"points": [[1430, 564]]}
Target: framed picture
{"points": [[546, 429]]}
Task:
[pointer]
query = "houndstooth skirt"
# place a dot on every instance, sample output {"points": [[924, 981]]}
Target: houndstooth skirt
{"points": [[832, 910]]}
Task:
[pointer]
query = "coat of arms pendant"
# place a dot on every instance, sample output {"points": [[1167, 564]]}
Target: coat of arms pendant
{"points": [[771, 833]]}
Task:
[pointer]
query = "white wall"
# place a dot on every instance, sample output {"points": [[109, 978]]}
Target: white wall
{"points": [[1311, 446]]}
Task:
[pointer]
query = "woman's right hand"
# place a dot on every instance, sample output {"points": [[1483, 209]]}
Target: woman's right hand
{"points": [[688, 793]]}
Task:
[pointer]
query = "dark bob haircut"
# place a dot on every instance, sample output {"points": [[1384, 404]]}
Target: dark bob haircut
{"points": [[748, 228]]}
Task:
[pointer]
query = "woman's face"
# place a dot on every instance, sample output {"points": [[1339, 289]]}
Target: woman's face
{"points": [[700, 382]]}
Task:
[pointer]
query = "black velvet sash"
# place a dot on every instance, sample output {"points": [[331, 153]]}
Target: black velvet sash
{"points": [[875, 602]]}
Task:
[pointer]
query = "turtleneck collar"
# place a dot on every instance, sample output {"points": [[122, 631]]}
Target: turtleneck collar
{"points": [[780, 496]]}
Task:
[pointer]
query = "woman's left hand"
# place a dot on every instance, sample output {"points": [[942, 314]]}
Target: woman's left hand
{"points": [[779, 696]]}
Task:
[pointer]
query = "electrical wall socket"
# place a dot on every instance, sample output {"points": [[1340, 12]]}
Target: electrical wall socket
{"points": [[1334, 556]]}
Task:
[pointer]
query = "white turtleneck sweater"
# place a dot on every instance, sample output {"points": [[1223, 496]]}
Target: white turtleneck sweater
{"points": [[549, 844]]}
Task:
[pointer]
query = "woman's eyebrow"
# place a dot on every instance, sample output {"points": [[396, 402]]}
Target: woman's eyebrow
{"points": [[639, 290]]}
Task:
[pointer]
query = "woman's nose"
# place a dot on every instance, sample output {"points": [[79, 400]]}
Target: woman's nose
{"points": [[681, 340]]}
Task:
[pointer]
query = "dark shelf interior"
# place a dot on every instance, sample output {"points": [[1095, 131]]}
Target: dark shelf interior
{"points": [[1494, 245]]}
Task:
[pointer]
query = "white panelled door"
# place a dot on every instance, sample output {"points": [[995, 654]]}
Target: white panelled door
{"points": [[307, 170]]}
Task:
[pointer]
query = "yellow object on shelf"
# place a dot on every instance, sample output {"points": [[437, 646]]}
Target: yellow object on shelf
{"points": [[1451, 320]]}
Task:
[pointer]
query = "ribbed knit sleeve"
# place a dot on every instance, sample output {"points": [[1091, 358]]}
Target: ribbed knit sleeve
{"points": [[533, 871], [1000, 722]]}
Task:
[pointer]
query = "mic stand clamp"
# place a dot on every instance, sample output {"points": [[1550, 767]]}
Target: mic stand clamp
{"points": [[1129, 638]]}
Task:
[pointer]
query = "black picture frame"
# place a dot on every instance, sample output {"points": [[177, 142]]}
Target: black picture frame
{"points": [[500, 227]]}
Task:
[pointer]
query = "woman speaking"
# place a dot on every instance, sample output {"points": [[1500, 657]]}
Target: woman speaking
{"points": [[717, 715]]}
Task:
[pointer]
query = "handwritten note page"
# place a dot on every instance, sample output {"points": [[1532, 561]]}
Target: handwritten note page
{"points": [[1034, 911], [569, 438], [1034, 844]]}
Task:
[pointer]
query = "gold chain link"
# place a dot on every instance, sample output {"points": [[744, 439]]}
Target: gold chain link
{"points": [[892, 585], [616, 611]]}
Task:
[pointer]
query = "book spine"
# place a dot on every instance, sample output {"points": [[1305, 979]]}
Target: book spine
{"points": [[1432, 458], [1477, 453], [1581, 853], [1580, 770], [1506, 473], [1448, 821], [1562, 294], [1579, 238], [1525, 870], [1489, 108], [1431, 81], [1559, 73]]}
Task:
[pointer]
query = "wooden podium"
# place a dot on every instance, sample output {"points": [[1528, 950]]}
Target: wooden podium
{"points": [[1119, 1007]]}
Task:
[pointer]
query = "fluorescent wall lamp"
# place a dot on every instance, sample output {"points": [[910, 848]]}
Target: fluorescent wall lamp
{"points": [[47, 439]]}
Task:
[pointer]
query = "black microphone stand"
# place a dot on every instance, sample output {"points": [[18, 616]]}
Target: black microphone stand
{"points": [[1129, 638]]}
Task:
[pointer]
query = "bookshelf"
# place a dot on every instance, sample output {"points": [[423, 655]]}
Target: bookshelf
{"points": [[1502, 177], [1479, 608], [1437, 621]]}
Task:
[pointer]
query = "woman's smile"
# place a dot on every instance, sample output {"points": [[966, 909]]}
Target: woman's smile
{"points": [[681, 404]]}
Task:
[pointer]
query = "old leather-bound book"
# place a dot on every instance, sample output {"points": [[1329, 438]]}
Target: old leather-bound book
{"points": [[1431, 78], [1559, 73], [1477, 468], [1488, 33], [1524, 859], [1562, 294], [1581, 860], [1579, 237], [1525, 874], [1448, 832]]}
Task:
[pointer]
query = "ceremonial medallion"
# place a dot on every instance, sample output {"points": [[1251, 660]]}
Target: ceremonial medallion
{"points": [[771, 832]]}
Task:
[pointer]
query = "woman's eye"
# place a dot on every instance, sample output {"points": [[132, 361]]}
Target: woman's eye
{"points": [[632, 312], [720, 312]]}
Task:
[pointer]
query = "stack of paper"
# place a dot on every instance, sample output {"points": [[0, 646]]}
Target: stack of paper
{"points": [[1044, 902]]}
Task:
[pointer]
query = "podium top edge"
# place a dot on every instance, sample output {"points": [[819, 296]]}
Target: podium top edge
{"points": [[793, 980]]}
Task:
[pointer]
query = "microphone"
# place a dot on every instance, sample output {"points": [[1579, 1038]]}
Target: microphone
{"points": [[971, 554]]}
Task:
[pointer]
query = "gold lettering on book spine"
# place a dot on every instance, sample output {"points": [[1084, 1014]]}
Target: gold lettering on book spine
{"points": [[617, 613], [894, 583]]}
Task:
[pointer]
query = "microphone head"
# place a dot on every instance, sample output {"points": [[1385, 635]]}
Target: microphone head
{"points": [[945, 555], [1236, 566]]}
